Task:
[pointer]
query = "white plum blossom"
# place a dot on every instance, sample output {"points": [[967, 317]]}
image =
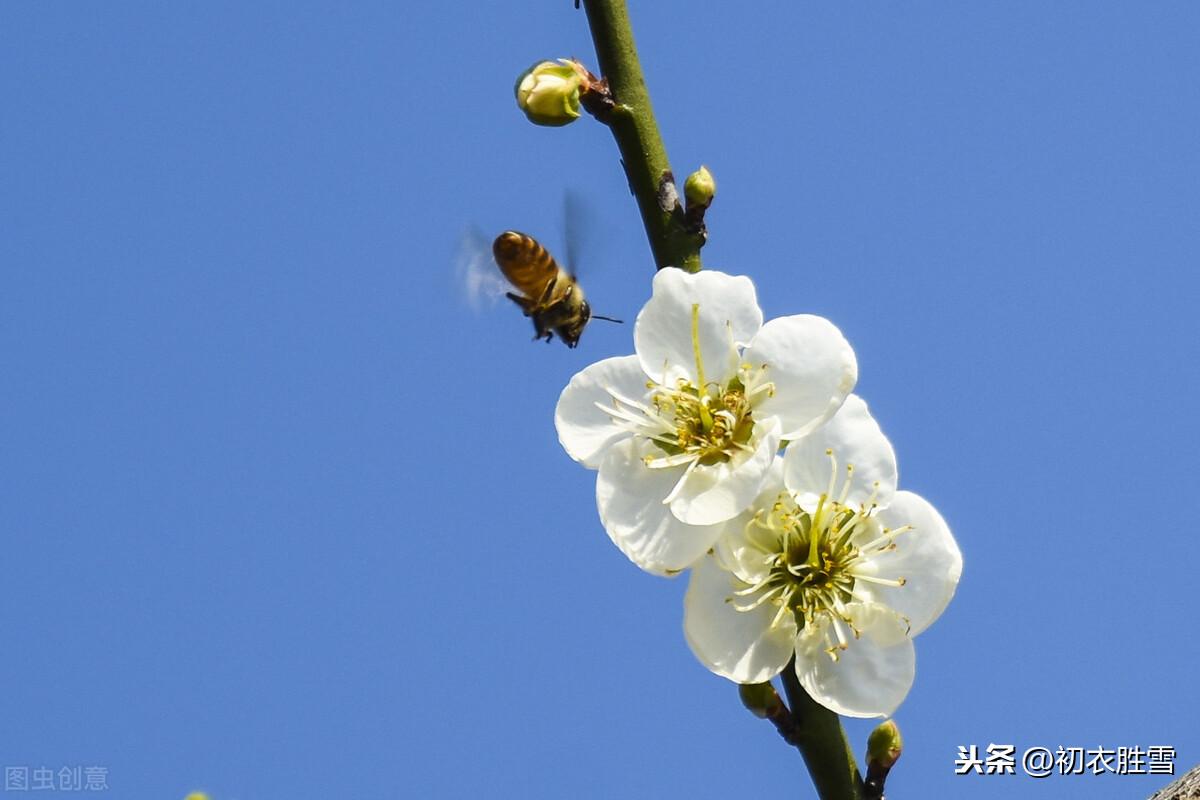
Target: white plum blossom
{"points": [[684, 431], [832, 565]]}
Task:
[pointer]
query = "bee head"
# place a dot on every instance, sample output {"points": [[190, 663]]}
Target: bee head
{"points": [[571, 332]]}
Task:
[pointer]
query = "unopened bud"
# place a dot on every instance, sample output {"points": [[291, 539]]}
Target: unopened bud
{"points": [[700, 188], [760, 698], [548, 92], [884, 745]]}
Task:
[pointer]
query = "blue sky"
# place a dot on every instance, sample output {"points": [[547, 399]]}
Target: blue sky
{"points": [[280, 517]]}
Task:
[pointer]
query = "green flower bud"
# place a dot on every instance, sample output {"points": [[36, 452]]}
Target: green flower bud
{"points": [[700, 188], [760, 698], [884, 745], [548, 92]]}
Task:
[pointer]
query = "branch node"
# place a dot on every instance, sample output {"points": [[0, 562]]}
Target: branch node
{"points": [[597, 98], [693, 220], [668, 195]]}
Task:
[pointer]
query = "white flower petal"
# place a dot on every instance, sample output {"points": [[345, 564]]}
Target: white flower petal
{"points": [[728, 314], [584, 430], [855, 438], [739, 645], [630, 497], [720, 492], [739, 554], [872, 675], [927, 557], [812, 366]]}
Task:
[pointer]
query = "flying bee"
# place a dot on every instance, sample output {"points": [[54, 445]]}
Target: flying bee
{"points": [[550, 295], [547, 292]]}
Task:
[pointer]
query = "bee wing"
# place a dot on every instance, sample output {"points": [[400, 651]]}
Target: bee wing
{"points": [[575, 216], [476, 272]]}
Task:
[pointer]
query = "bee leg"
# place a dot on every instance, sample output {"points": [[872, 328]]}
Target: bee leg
{"points": [[524, 302], [554, 311], [540, 329], [548, 292], [567, 295]]}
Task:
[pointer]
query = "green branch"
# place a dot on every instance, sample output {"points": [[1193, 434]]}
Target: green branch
{"points": [[675, 241], [819, 736], [642, 152]]}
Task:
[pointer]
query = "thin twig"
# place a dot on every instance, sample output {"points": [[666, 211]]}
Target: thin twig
{"points": [[642, 152]]}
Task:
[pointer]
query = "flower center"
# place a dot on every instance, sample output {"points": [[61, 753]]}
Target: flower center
{"points": [[809, 556], [710, 423], [707, 422], [694, 423], [812, 561]]}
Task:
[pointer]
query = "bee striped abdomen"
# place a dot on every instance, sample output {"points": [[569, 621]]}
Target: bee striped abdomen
{"points": [[527, 265]]}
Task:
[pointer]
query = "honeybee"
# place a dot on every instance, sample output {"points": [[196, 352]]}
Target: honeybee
{"points": [[550, 295]]}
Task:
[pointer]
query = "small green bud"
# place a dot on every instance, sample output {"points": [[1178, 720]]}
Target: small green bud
{"points": [[760, 698], [700, 188], [548, 92], [884, 745]]}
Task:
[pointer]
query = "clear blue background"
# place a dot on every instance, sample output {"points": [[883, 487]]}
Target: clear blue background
{"points": [[280, 518]]}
